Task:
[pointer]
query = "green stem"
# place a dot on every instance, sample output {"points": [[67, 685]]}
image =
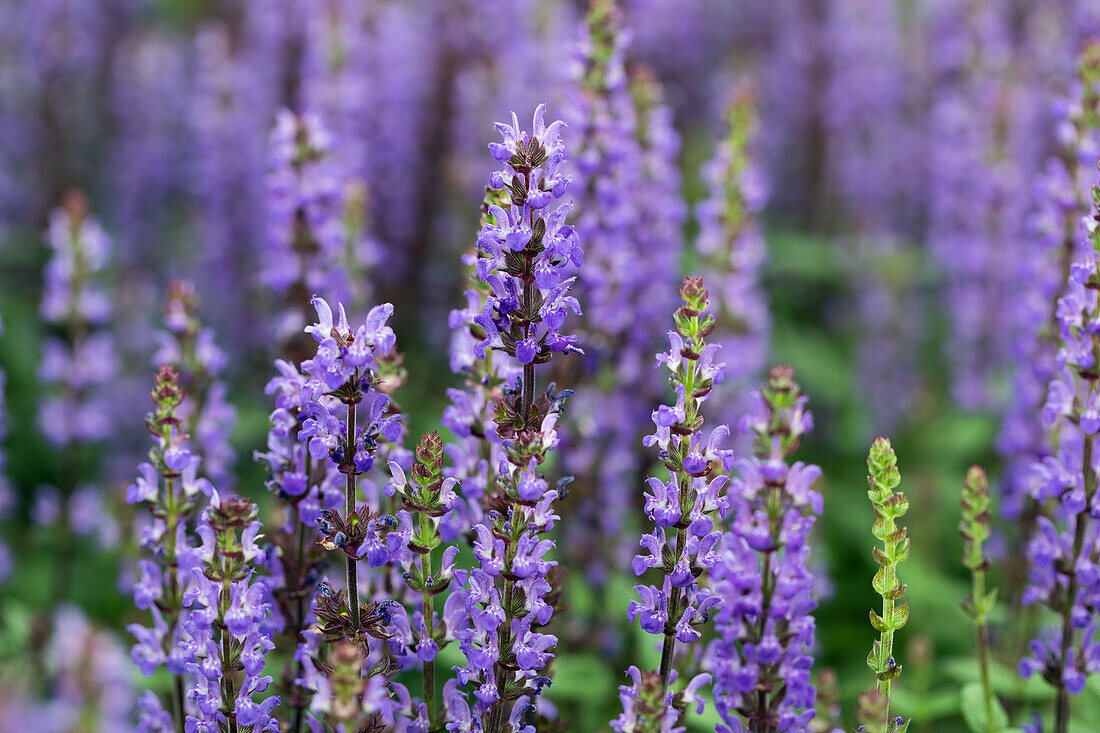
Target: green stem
{"points": [[977, 594], [429, 621], [886, 648], [178, 715], [227, 675], [229, 694], [172, 521], [349, 511], [669, 648]]}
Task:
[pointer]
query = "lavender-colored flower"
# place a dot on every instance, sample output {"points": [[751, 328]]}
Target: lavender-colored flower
{"points": [[687, 503], [629, 213], [523, 252], [1062, 574], [315, 242], [761, 576], [89, 683], [206, 417], [80, 367], [169, 486], [733, 245], [1055, 232], [351, 368], [228, 631]]}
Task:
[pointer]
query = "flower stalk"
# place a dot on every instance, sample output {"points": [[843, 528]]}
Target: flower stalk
{"points": [[888, 505], [976, 530]]}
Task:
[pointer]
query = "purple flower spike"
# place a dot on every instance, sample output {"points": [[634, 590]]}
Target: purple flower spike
{"points": [[772, 507]]}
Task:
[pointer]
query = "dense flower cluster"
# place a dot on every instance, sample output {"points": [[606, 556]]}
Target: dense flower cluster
{"points": [[689, 501], [314, 220], [1063, 573], [733, 245], [305, 488], [170, 487], [227, 627], [477, 449], [1056, 236], [81, 364], [761, 661], [523, 253]]}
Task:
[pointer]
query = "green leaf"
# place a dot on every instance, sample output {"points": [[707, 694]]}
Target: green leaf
{"points": [[972, 705]]}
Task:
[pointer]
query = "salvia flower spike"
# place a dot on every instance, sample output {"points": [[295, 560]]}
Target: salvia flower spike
{"points": [[228, 628], [762, 658], [208, 418], [523, 252], [684, 507], [732, 241], [170, 487], [889, 506], [348, 370], [1063, 571]]}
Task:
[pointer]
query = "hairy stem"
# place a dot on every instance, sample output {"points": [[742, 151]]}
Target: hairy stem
{"points": [[349, 509], [977, 594], [887, 644], [429, 622], [173, 613], [668, 651]]}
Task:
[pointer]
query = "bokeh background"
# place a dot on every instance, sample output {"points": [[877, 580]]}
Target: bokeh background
{"points": [[902, 143]]}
